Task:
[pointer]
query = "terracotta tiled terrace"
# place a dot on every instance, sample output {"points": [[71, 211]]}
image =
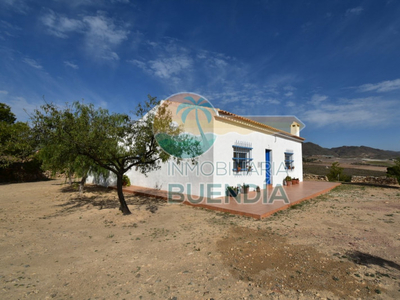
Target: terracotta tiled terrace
{"points": [[256, 205]]}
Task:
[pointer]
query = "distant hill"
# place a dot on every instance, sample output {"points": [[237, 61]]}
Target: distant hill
{"points": [[311, 149]]}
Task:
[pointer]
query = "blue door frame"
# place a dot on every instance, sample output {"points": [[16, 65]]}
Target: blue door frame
{"points": [[267, 166]]}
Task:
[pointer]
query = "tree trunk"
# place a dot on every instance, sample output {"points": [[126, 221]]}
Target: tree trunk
{"points": [[123, 206], [82, 183]]}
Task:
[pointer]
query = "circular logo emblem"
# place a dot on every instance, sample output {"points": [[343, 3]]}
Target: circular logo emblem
{"points": [[183, 125]]}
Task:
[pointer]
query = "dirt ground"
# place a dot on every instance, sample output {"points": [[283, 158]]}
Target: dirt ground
{"points": [[351, 163], [57, 245]]}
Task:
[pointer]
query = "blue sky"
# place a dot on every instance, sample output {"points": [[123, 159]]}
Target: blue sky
{"points": [[333, 64]]}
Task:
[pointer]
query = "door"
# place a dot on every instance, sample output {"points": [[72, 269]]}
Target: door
{"points": [[267, 166]]}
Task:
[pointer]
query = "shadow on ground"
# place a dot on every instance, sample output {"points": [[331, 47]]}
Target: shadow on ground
{"points": [[366, 259], [101, 198]]}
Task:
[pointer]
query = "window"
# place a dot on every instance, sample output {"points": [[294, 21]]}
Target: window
{"points": [[242, 158], [289, 161]]}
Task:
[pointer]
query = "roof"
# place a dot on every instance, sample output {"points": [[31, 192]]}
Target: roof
{"points": [[231, 116], [279, 122]]}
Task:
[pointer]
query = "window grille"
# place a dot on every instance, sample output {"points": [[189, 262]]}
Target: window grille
{"points": [[289, 161], [242, 157]]}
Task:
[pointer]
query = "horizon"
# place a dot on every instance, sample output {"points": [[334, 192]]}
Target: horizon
{"points": [[351, 146], [333, 65]]}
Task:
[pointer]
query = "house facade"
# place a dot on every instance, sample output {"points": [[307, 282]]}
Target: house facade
{"points": [[244, 151]]}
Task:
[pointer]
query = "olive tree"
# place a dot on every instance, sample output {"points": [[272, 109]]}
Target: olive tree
{"points": [[113, 141]]}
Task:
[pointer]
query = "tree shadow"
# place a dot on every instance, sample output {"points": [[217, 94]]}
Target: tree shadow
{"points": [[89, 188], [101, 198], [366, 259]]}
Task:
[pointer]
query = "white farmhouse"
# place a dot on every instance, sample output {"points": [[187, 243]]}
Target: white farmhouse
{"points": [[246, 150]]}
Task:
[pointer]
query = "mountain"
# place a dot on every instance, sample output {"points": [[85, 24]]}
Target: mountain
{"points": [[310, 149]]}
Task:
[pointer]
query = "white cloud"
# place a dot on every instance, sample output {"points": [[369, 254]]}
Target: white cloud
{"points": [[221, 78], [9, 26], [3, 92], [18, 6], [354, 11], [272, 101], [60, 26], [138, 63], [71, 65], [290, 104], [166, 67], [289, 88], [101, 34], [33, 63], [384, 86], [103, 30], [316, 99], [171, 61], [358, 113]]}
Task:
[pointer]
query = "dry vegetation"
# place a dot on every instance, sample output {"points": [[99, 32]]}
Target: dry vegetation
{"points": [[57, 245]]}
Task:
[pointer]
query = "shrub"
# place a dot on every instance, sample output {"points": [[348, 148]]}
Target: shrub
{"points": [[336, 173], [395, 170], [126, 181]]}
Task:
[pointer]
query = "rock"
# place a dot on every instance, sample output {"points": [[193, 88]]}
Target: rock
{"points": [[382, 180], [315, 177]]}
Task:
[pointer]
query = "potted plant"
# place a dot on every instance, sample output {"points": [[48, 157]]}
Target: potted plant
{"points": [[288, 180], [245, 188], [258, 189], [295, 181], [232, 191], [238, 169]]}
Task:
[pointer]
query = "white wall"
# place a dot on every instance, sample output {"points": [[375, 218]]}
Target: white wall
{"points": [[223, 152], [214, 168], [171, 174]]}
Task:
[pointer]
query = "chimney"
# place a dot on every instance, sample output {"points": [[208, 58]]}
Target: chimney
{"points": [[295, 129]]}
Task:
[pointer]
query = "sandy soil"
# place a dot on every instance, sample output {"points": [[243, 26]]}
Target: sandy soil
{"points": [[57, 245]]}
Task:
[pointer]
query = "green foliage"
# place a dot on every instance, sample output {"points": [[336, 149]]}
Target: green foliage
{"points": [[16, 143], [336, 173], [232, 191], [18, 161], [394, 171], [61, 158], [111, 141], [29, 170], [6, 115], [126, 181]]}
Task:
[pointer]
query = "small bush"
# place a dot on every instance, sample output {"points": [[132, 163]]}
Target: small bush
{"points": [[126, 181], [395, 170], [336, 173]]}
